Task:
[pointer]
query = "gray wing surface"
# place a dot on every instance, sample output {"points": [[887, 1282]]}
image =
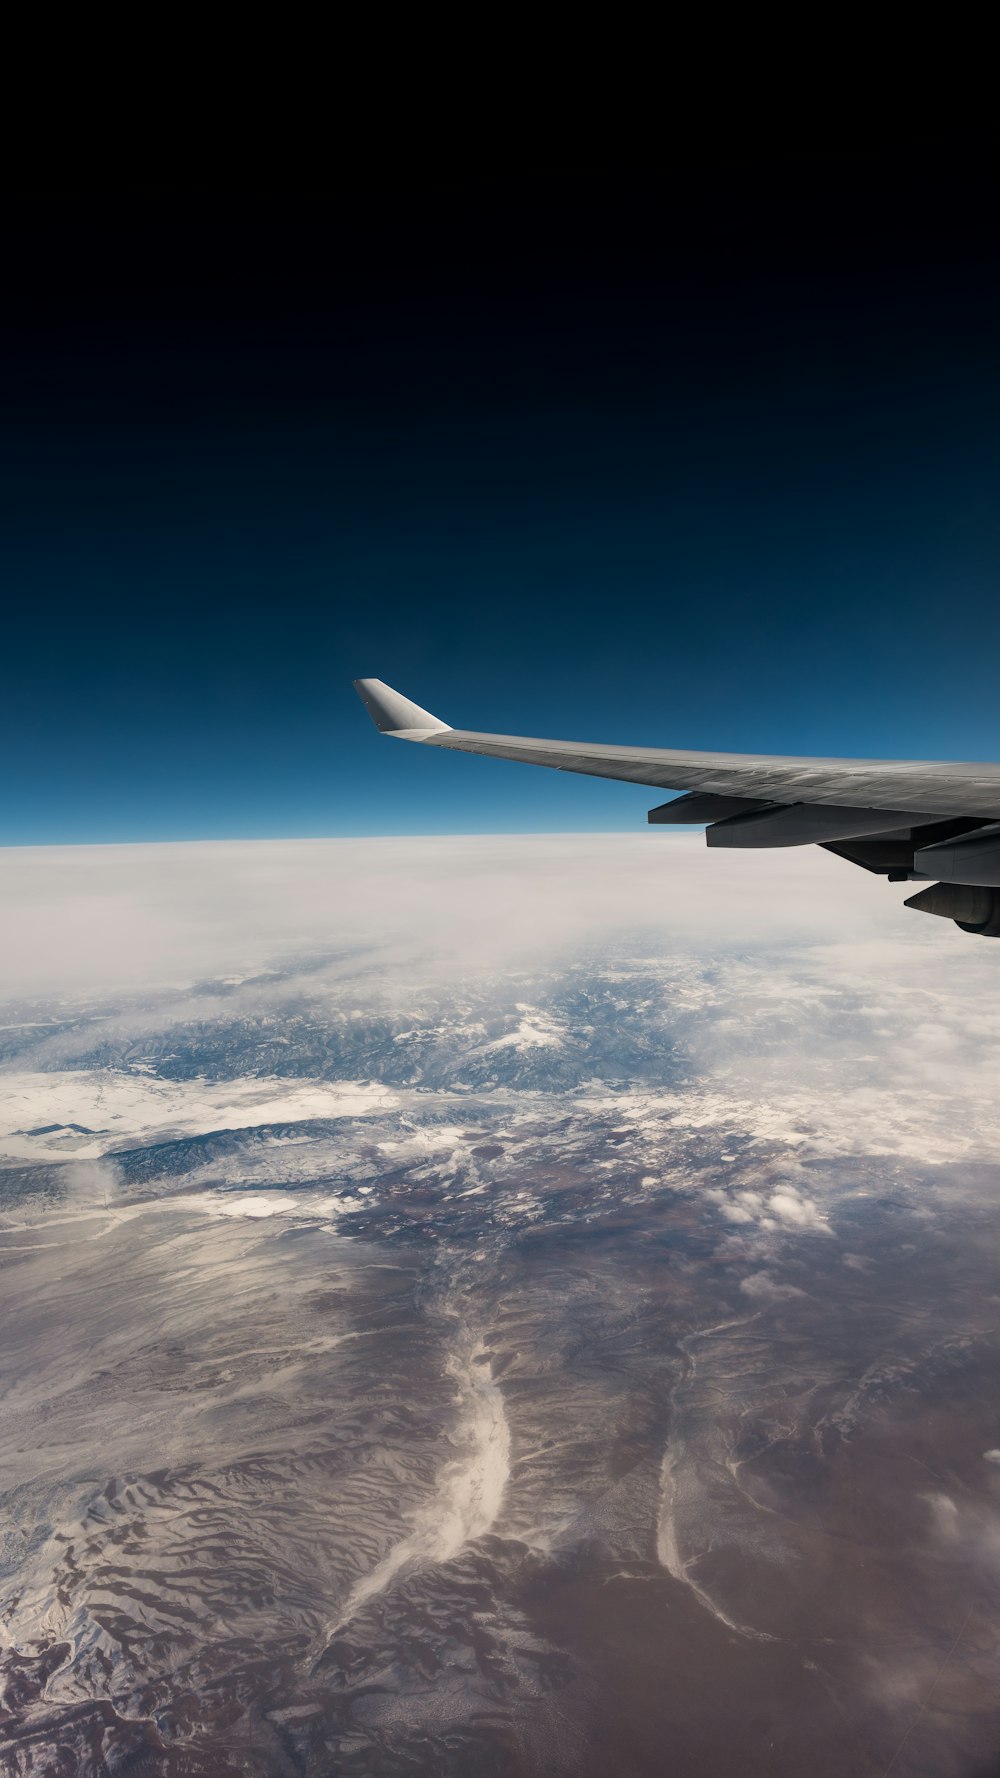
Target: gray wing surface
{"points": [[903, 792]]}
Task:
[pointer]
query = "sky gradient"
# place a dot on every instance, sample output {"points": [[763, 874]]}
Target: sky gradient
{"points": [[712, 464]]}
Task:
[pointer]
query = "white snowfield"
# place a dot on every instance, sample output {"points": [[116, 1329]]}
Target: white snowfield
{"points": [[534, 1030], [825, 1118], [118, 1109]]}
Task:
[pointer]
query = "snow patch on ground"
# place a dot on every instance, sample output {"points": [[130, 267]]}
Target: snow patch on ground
{"points": [[127, 1108], [534, 1030], [469, 1489], [257, 1205]]}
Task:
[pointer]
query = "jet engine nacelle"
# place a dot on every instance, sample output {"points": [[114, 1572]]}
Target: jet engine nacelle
{"points": [[972, 907]]}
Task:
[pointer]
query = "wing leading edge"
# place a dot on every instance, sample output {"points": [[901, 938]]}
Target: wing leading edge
{"points": [[890, 816]]}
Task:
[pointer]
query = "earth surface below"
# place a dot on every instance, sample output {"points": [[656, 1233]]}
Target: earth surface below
{"points": [[418, 1358]]}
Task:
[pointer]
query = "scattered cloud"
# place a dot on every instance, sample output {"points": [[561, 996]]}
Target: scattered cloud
{"points": [[789, 1206], [945, 1515]]}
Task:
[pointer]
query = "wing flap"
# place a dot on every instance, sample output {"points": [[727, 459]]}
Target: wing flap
{"points": [[809, 824], [695, 808]]}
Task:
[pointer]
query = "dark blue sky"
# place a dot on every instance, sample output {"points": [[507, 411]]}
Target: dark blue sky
{"points": [[708, 464]]}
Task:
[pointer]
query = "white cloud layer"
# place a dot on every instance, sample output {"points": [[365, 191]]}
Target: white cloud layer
{"points": [[91, 919]]}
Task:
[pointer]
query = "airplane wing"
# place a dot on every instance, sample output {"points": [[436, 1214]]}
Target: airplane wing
{"points": [[902, 819]]}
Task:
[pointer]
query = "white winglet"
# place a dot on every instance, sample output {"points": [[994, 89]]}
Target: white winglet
{"points": [[394, 714]]}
